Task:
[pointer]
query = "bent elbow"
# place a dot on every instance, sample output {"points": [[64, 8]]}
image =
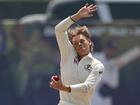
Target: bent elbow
{"points": [[88, 88], [56, 29]]}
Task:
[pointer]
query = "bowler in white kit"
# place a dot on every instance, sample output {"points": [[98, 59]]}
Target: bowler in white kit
{"points": [[80, 71]]}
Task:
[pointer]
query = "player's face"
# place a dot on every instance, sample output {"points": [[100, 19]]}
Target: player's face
{"points": [[81, 45]]}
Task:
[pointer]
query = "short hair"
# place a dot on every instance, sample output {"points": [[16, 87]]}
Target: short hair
{"points": [[80, 30]]}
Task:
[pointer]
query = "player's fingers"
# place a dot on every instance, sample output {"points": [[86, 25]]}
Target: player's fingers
{"points": [[90, 6], [86, 5], [52, 78], [50, 84], [91, 11], [93, 7]]}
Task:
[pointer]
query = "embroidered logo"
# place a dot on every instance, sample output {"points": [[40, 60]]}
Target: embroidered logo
{"points": [[88, 67]]}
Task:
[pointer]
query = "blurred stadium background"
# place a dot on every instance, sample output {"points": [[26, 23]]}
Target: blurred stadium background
{"points": [[29, 53]]}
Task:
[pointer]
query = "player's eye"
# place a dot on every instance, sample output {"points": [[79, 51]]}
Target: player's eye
{"points": [[82, 41]]}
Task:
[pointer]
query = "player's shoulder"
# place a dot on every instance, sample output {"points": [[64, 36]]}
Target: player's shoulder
{"points": [[97, 65], [97, 62]]}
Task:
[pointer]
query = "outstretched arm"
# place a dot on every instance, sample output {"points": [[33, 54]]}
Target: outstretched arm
{"points": [[127, 57], [61, 28]]}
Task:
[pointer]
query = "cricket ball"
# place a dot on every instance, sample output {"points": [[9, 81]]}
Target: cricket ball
{"points": [[56, 78]]}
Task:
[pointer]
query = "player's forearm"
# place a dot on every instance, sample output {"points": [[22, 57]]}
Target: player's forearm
{"points": [[65, 88], [63, 26], [57, 85], [91, 81]]}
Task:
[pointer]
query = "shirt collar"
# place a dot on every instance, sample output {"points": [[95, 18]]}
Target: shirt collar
{"points": [[90, 55], [87, 56]]}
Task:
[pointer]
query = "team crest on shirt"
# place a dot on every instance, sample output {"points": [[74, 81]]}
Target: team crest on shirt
{"points": [[88, 67]]}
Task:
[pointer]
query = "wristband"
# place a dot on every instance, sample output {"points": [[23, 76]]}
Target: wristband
{"points": [[72, 19]]}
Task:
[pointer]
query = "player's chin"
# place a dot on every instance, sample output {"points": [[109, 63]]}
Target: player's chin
{"points": [[83, 51]]}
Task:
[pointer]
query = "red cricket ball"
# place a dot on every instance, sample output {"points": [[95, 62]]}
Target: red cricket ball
{"points": [[56, 78]]}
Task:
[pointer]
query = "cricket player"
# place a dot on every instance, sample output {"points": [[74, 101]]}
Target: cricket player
{"points": [[80, 71]]}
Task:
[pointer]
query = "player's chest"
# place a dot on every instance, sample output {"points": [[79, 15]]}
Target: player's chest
{"points": [[78, 70]]}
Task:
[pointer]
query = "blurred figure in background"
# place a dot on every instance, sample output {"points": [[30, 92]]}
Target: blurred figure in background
{"points": [[3, 40], [8, 63], [110, 81]]}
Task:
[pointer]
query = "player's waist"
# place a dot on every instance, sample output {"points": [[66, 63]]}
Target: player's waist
{"points": [[75, 98], [61, 102]]}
